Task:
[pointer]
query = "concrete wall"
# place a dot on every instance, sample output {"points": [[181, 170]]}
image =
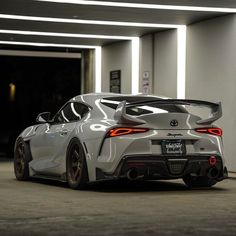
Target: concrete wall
{"points": [[165, 63], [158, 56], [211, 72], [146, 60], [88, 71], [117, 56]]}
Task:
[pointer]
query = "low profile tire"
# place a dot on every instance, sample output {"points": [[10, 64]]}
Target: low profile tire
{"points": [[21, 160], [198, 182], [76, 166]]}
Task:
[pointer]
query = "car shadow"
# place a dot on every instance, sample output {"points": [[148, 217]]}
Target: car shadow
{"points": [[136, 186], [144, 186], [123, 185]]}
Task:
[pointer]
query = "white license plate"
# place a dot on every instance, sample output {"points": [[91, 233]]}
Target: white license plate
{"points": [[173, 147]]}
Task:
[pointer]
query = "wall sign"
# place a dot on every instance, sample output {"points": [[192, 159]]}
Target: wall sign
{"points": [[115, 81], [146, 82]]}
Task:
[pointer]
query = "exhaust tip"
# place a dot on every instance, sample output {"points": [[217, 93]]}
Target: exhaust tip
{"points": [[213, 173], [132, 174]]}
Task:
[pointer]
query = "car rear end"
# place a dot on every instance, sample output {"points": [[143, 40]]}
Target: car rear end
{"points": [[159, 139]]}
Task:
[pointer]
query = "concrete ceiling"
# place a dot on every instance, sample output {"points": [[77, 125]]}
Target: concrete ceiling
{"points": [[102, 13]]}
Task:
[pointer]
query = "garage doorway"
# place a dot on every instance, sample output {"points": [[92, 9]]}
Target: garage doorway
{"points": [[30, 85]]}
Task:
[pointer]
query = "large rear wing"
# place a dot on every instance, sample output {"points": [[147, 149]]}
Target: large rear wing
{"points": [[123, 118]]}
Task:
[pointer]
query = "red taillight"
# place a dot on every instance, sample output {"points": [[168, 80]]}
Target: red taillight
{"points": [[123, 131], [213, 131], [212, 160]]}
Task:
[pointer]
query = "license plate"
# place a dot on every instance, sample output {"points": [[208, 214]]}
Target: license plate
{"points": [[173, 147]]}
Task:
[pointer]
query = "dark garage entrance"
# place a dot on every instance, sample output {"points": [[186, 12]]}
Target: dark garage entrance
{"points": [[30, 85]]}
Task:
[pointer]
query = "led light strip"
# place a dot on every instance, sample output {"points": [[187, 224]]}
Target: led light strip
{"points": [[48, 44], [181, 61], [21, 32], [7, 52], [98, 69], [135, 66], [89, 22], [144, 6]]}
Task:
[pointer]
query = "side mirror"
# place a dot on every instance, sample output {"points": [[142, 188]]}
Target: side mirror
{"points": [[43, 117]]}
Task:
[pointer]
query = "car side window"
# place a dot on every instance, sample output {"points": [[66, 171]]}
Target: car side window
{"points": [[72, 111]]}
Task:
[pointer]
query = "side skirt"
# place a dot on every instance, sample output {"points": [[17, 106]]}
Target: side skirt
{"points": [[61, 178]]}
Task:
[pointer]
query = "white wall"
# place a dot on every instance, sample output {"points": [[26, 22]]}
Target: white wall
{"points": [[165, 63], [117, 56], [158, 56], [211, 72], [146, 60]]}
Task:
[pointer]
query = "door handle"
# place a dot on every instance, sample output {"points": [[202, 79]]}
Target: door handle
{"points": [[64, 132]]}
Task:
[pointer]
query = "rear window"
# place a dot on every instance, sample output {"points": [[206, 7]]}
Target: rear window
{"points": [[138, 110]]}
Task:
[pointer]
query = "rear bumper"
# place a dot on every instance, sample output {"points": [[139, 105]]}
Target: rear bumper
{"points": [[167, 167]]}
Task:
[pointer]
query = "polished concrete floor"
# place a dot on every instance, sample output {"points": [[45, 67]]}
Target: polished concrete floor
{"points": [[42, 207]]}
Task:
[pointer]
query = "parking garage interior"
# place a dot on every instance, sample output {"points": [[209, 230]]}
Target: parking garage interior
{"points": [[53, 50]]}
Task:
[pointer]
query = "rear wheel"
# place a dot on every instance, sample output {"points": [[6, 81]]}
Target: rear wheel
{"points": [[21, 160], [198, 181], [76, 167]]}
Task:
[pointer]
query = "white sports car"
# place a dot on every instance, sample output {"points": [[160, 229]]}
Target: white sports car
{"points": [[109, 136]]}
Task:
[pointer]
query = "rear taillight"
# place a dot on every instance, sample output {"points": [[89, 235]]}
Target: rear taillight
{"points": [[124, 131], [213, 131], [212, 160]]}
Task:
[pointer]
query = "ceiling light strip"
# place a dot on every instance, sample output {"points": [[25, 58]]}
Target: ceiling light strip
{"points": [[48, 45], [135, 66], [22, 53], [144, 6], [21, 32], [98, 69], [89, 22], [181, 62]]}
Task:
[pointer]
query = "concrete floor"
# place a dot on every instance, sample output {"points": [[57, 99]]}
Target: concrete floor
{"points": [[114, 208]]}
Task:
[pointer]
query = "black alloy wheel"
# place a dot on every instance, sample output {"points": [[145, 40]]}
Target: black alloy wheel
{"points": [[77, 174], [21, 160]]}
